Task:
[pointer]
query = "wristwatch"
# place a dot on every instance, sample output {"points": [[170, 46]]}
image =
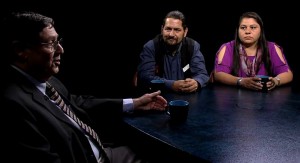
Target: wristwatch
{"points": [[278, 80], [238, 82]]}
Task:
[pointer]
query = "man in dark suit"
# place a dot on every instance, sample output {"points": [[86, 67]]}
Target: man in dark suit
{"points": [[38, 131]]}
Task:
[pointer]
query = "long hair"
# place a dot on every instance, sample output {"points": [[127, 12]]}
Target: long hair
{"points": [[262, 44]]}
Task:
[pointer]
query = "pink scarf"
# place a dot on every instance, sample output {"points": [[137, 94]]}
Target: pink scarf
{"points": [[248, 66]]}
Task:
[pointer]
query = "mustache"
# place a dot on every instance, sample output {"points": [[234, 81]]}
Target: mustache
{"points": [[170, 37]]}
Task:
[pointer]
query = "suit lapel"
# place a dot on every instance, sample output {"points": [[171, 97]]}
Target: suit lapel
{"points": [[39, 97], [48, 105]]}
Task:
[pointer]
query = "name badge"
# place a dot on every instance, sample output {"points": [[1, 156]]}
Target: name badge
{"points": [[186, 67]]}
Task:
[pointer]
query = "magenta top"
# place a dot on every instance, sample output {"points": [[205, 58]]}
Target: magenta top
{"points": [[227, 63]]}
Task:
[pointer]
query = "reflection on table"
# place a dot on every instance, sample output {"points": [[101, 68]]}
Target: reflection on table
{"points": [[228, 124]]}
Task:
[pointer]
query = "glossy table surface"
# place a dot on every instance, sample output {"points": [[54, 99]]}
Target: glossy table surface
{"points": [[228, 124]]}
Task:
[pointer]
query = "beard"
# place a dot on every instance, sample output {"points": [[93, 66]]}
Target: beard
{"points": [[172, 47]]}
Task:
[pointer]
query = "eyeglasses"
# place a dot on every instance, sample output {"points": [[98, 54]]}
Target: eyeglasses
{"points": [[52, 45]]}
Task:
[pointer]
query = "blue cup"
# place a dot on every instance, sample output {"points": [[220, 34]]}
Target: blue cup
{"points": [[178, 110], [263, 81], [156, 85]]}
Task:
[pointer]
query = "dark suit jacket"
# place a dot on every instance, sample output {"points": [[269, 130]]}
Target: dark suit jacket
{"points": [[36, 131]]}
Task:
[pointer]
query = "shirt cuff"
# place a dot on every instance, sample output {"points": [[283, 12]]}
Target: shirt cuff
{"points": [[169, 83], [127, 105]]}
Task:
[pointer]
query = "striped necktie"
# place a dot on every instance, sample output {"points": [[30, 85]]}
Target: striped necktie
{"points": [[53, 95]]}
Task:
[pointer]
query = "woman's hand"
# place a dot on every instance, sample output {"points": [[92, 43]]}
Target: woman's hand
{"points": [[272, 83], [251, 83]]}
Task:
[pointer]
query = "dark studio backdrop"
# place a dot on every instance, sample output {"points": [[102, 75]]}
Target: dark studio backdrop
{"points": [[102, 41]]}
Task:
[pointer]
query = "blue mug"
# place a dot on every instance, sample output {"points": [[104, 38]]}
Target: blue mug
{"points": [[263, 81], [156, 85], [178, 110]]}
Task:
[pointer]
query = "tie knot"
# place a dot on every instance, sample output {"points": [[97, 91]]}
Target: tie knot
{"points": [[50, 91]]}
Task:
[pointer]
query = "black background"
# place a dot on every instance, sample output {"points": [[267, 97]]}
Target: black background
{"points": [[103, 39]]}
